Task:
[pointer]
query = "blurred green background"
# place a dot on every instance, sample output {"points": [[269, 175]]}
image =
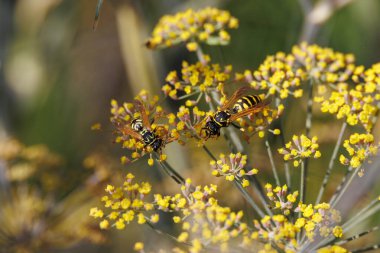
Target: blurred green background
{"points": [[57, 75]]}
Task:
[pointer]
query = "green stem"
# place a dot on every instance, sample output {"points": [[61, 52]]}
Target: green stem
{"points": [[249, 199], [353, 221], [160, 232], [282, 138], [188, 95], [200, 55], [369, 248], [357, 236], [309, 115], [274, 169], [331, 163], [302, 185], [170, 171], [334, 201]]}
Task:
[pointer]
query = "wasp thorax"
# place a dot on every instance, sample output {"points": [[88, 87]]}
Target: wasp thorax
{"points": [[222, 117]]}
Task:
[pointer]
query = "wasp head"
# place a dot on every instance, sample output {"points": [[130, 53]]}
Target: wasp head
{"points": [[137, 125]]}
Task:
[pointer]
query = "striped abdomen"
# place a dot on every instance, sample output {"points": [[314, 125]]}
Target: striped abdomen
{"points": [[246, 102]]}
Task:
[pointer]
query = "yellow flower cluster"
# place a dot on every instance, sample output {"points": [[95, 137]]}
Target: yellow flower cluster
{"points": [[277, 76], [318, 220], [125, 204], [281, 199], [348, 91], [323, 65], [233, 168], [31, 183], [359, 147], [207, 25], [204, 223], [211, 225], [353, 105], [35, 163], [196, 79], [302, 147], [370, 78], [146, 107]]}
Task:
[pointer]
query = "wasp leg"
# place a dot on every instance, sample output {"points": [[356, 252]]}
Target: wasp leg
{"points": [[237, 127]]}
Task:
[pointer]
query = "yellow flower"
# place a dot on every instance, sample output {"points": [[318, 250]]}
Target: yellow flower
{"points": [[300, 148], [120, 224], [176, 219], [104, 224], [207, 25], [154, 218], [338, 231], [138, 246], [192, 46], [183, 237]]}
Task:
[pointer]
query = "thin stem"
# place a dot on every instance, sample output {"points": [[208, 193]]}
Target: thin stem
{"points": [[270, 155], [341, 193], [160, 232], [200, 55], [170, 171], [365, 215], [357, 236], [287, 174], [305, 163], [302, 185], [331, 163], [309, 110], [189, 95], [249, 199], [369, 248], [340, 186], [302, 195], [282, 138], [209, 153], [352, 221]]}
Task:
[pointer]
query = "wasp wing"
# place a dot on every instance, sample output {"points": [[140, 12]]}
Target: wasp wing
{"points": [[249, 111], [235, 96], [126, 130], [144, 115]]}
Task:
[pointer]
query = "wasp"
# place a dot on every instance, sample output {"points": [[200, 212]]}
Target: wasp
{"points": [[148, 137], [236, 107], [141, 129]]}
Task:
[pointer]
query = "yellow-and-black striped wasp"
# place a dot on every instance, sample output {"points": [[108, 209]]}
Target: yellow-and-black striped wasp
{"points": [[237, 106], [140, 128]]}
